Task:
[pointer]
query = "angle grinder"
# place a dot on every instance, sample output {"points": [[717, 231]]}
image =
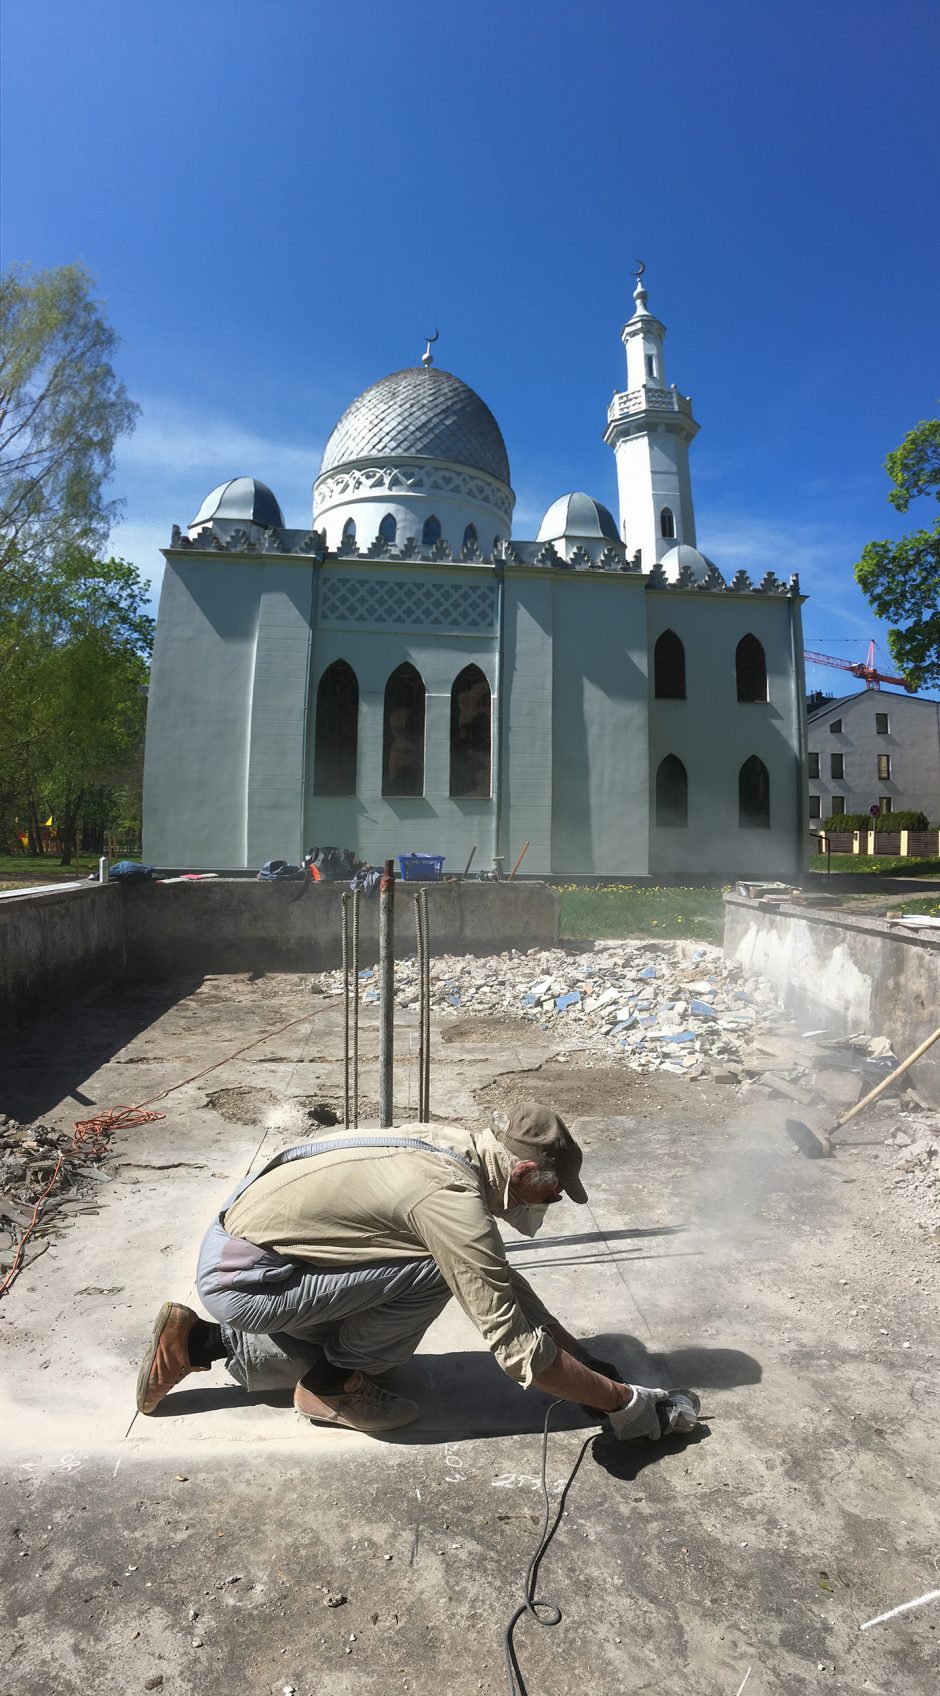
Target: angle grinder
{"points": [[675, 1411]]}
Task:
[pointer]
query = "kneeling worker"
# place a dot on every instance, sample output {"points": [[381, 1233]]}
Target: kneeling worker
{"points": [[325, 1269]]}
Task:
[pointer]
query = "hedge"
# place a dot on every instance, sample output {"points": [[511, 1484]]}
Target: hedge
{"points": [[890, 822]]}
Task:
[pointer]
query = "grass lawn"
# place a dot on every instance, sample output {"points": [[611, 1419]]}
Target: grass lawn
{"points": [[26, 871], [887, 865], [926, 904], [619, 909]]}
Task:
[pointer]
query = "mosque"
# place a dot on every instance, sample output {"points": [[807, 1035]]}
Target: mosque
{"points": [[408, 675]]}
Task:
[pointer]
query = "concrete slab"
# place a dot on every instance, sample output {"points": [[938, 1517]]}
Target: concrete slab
{"points": [[795, 1295]]}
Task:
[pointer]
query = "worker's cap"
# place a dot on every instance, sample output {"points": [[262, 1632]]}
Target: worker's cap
{"points": [[532, 1132]]}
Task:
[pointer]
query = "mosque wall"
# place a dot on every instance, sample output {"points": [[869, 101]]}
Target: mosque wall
{"points": [[528, 669], [600, 758], [376, 619], [713, 733], [366, 511]]}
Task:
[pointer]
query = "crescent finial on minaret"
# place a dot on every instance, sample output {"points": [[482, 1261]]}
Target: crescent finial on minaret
{"points": [[639, 293], [427, 357]]}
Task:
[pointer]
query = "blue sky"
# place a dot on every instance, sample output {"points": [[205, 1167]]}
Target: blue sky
{"points": [[279, 200]]}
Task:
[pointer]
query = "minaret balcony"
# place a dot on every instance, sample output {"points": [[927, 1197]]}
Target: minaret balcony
{"points": [[648, 400]]}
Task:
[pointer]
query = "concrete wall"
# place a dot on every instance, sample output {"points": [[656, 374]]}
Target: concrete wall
{"points": [[912, 741], [240, 925], [848, 974], [56, 944]]}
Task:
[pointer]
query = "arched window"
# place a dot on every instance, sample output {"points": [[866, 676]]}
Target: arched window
{"points": [[754, 795], [495, 543], [470, 734], [431, 532], [337, 731], [669, 668], [470, 535], [750, 669], [403, 738], [667, 524], [672, 792], [349, 531], [388, 529]]}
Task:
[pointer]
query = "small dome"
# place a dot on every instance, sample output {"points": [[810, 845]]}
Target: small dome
{"points": [[419, 413], [577, 515], [682, 555], [243, 498]]}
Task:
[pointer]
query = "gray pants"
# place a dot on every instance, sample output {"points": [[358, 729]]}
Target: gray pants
{"points": [[279, 1316]]}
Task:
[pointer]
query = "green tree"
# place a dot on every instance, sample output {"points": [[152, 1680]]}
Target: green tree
{"points": [[902, 579], [74, 647], [61, 411]]}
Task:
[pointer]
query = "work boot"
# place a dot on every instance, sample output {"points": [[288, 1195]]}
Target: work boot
{"points": [[167, 1359], [361, 1405]]}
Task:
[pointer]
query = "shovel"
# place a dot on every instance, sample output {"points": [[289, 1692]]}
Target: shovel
{"points": [[817, 1144]]}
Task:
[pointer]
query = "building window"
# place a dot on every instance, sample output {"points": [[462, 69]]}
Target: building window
{"points": [[815, 807], [388, 529], [470, 734], [885, 803], [667, 524], [812, 765], [750, 669], [754, 795], [470, 535], [349, 531], [881, 724], [884, 765], [337, 731], [403, 738], [651, 364], [672, 793], [669, 667], [836, 765], [495, 543], [431, 532], [838, 806], [835, 728]]}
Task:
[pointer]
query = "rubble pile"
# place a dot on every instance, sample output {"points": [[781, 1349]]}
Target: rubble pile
{"points": [[675, 1006], [914, 1141], [28, 1156]]}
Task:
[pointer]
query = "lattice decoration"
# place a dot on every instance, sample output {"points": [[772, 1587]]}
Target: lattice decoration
{"points": [[412, 604]]}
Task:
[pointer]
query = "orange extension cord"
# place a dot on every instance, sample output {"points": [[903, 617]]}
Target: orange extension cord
{"points": [[92, 1137]]}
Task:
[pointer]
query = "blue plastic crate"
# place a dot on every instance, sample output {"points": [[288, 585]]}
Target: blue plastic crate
{"points": [[421, 868]]}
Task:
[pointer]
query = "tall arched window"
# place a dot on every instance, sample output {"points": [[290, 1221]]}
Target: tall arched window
{"points": [[470, 535], [470, 734], [750, 669], [672, 792], [431, 532], [403, 738], [336, 737], [667, 524], [349, 530], [754, 795], [388, 529], [669, 667]]}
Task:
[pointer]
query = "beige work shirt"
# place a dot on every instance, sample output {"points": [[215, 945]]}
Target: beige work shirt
{"points": [[360, 1206]]}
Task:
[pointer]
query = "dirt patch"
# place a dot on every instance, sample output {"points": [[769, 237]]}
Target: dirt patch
{"points": [[492, 1029], [588, 1092], [249, 1106]]}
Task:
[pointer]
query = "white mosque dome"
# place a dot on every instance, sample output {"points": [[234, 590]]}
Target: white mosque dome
{"points": [[242, 500], [684, 555], [421, 412], [577, 516]]}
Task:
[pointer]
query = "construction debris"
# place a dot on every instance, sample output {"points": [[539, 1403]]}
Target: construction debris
{"points": [[28, 1159]]}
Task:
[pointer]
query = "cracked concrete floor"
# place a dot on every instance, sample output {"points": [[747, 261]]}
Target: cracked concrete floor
{"points": [[192, 1553]]}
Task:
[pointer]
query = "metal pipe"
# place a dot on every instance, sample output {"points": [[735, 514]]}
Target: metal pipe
{"points": [[426, 1011], [355, 1029], [386, 993], [419, 939], [344, 931]]}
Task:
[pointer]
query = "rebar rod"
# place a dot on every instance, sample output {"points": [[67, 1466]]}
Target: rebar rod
{"points": [[386, 993], [426, 1009], [344, 930], [421, 937], [355, 1028]]}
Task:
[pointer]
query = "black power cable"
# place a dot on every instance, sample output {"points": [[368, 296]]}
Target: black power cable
{"points": [[532, 1603]]}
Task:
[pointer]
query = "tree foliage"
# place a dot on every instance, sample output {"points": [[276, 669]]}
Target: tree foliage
{"points": [[902, 579], [62, 409], [74, 647]]}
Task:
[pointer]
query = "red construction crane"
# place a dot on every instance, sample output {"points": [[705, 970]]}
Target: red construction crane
{"points": [[866, 669]]}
